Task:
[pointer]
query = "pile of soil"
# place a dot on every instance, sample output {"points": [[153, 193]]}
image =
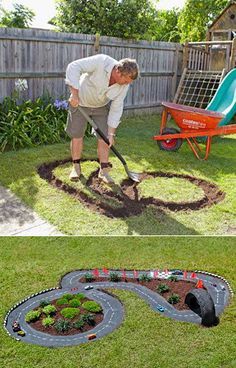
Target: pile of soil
{"points": [[129, 202], [98, 317], [180, 287]]}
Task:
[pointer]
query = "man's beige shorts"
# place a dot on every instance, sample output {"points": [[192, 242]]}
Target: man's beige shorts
{"points": [[77, 123]]}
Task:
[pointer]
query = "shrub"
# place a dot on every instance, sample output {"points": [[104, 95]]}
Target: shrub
{"points": [[43, 303], [173, 278], [48, 321], [89, 277], [80, 296], [62, 301], [62, 325], [33, 315], [49, 309], [145, 277], [163, 288], [92, 306], [79, 324], [70, 312], [89, 319], [173, 299], [68, 296], [75, 303], [114, 277]]}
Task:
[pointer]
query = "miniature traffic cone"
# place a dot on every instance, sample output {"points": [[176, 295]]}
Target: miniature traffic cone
{"points": [[135, 274], [105, 270], [155, 274], [199, 284], [193, 275], [124, 274], [185, 275]]}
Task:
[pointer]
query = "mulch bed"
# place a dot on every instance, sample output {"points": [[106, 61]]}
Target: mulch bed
{"points": [[129, 202], [180, 287], [52, 331]]}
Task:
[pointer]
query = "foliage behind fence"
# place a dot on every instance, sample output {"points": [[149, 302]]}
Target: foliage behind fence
{"points": [[41, 58]]}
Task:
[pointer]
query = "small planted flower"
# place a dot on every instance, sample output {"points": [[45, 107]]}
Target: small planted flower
{"points": [[61, 105]]}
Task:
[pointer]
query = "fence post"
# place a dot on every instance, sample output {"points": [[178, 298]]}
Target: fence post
{"points": [[175, 70]]}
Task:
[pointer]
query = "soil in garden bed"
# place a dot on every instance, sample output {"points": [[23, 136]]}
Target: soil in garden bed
{"points": [[98, 317], [180, 287], [128, 202]]}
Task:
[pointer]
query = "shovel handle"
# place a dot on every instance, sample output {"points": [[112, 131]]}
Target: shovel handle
{"points": [[102, 135]]}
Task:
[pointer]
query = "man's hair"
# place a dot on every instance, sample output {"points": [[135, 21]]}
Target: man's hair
{"points": [[128, 67]]}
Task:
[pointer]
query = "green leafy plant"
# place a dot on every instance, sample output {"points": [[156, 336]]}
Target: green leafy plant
{"points": [[163, 288], [62, 325], [74, 302], [174, 299], [80, 296], [79, 324], [68, 296], [33, 315], [49, 309], [92, 306], [62, 301], [145, 277], [48, 321], [114, 277], [43, 303], [70, 312], [89, 319], [89, 277]]}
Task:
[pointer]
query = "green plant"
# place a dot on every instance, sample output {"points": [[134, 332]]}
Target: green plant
{"points": [[74, 302], [68, 296], [33, 315], [80, 296], [49, 309], [162, 288], [79, 324], [89, 277], [48, 321], [43, 303], [70, 312], [145, 277], [114, 277], [62, 301], [173, 278], [62, 325], [92, 306], [173, 299], [89, 319]]}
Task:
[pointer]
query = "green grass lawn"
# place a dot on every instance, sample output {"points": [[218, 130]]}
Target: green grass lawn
{"points": [[134, 141], [145, 339]]}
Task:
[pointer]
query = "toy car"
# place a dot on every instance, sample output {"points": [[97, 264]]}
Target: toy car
{"points": [[16, 326], [21, 333], [176, 272], [160, 308], [88, 287]]}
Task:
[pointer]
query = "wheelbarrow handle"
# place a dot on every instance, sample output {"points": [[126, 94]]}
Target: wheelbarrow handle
{"points": [[102, 135]]}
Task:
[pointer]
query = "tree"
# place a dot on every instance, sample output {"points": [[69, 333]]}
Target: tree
{"points": [[166, 26], [117, 18], [20, 17], [196, 16]]}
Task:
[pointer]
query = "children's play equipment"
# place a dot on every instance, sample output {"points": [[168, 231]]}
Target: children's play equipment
{"points": [[196, 122]]}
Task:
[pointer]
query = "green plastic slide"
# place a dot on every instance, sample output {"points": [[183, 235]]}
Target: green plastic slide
{"points": [[224, 100]]}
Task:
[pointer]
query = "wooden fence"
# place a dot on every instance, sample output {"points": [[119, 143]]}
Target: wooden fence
{"points": [[41, 57]]}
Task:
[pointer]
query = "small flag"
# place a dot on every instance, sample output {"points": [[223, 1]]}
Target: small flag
{"points": [[124, 274], [105, 270], [96, 272], [185, 275], [155, 274]]}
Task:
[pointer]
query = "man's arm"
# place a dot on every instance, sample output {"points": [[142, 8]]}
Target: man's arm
{"points": [[74, 97]]}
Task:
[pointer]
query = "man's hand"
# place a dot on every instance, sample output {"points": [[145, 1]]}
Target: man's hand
{"points": [[74, 97], [111, 140]]}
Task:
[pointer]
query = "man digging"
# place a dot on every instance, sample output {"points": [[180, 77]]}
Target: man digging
{"points": [[99, 85]]}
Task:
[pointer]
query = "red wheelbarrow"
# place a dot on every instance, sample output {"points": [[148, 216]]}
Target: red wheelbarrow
{"points": [[193, 122]]}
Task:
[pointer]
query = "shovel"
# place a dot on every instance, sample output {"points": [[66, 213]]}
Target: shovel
{"points": [[132, 175]]}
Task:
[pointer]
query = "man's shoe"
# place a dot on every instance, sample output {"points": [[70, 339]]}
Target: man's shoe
{"points": [[104, 176], [75, 172]]}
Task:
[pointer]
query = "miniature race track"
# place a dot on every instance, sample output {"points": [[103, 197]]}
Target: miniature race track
{"points": [[129, 202], [216, 287]]}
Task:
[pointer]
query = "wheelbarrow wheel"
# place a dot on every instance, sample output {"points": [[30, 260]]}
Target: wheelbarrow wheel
{"points": [[170, 144]]}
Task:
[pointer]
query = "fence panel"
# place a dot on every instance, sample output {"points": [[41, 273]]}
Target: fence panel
{"points": [[41, 57]]}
